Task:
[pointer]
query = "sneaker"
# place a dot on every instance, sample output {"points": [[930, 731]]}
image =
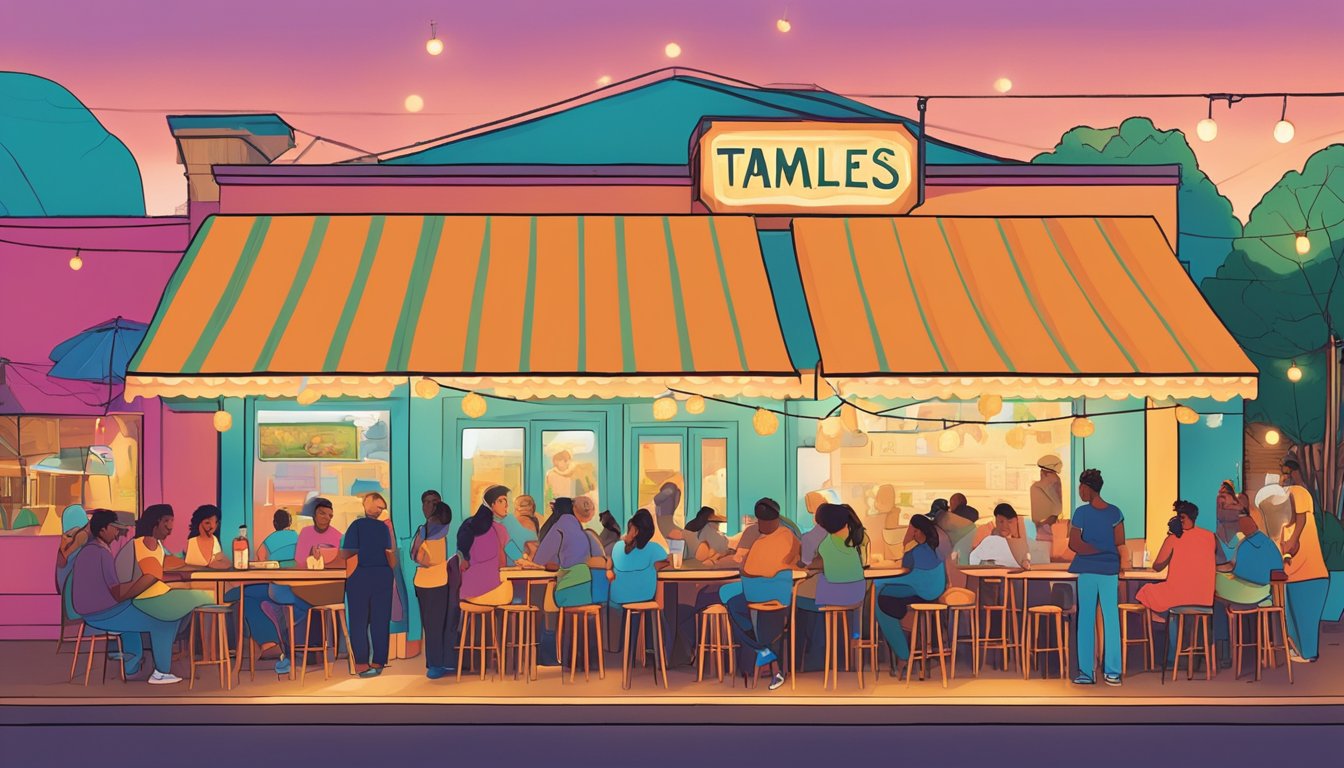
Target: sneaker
{"points": [[283, 666], [777, 681], [435, 673], [161, 678], [1084, 680], [764, 657], [1111, 680], [1298, 659], [371, 672]]}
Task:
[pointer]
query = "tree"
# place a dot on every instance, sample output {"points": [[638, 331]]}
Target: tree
{"points": [[1283, 306], [1207, 223]]}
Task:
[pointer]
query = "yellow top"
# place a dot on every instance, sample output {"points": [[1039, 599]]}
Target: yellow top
{"points": [[151, 562], [194, 555], [435, 575], [1308, 563]]}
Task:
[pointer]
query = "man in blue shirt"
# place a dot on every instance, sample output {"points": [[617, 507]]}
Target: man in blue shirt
{"points": [[1097, 539], [1244, 579]]}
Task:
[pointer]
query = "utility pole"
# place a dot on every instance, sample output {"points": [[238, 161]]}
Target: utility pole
{"points": [[1331, 442]]}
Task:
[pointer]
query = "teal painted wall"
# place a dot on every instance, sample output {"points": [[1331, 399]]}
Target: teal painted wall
{"points": [[1209, 455], [1118, 449]]}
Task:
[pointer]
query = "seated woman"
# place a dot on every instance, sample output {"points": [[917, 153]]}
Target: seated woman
{"points": [[573, 552], [158, 600], [925, 582], [839, 563], [1191, 553], [280, 545], [203, 548], [704, 541], [480, 550], [635, 561]]}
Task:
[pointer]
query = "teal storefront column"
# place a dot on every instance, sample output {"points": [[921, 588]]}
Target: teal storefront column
{"points": [[1210, 454], [1118, 449]]}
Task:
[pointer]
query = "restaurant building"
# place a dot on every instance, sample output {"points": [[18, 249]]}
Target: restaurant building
{"points": [[741, 291]]}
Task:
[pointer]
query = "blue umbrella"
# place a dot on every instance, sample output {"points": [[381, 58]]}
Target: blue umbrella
{"points": [[100, 353]]}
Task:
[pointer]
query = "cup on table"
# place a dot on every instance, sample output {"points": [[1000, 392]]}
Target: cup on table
{"points": [[676, 548]]}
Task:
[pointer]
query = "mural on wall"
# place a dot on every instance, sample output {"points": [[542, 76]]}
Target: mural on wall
{"points": [[305, 442]]}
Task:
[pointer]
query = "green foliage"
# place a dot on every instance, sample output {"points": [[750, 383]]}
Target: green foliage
{"points": [[1206, 219], [1281, 305]]}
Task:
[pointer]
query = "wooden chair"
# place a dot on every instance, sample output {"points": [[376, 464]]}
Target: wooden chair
{"points": [[331, 615], [869, 642], [929, 619], [580, 616], [1201, 623], [1236, 617], [478, 620], [1043, 616], [959, 601], [218, 646], [93, 637], [648, 612], [523, 619], [715, 636], [1145, 637]]}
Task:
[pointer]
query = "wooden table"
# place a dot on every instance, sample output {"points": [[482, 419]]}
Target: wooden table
{"points": [[222, 578]]}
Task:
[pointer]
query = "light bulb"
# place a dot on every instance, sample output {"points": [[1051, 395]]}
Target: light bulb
{"points": [[949, 441], [664, 409], [783, 25], [1003, 85], [76, 263], [989, 406], [434, 46], [695, 405], [427, 389], [223, 421], [414, 103], [1272, 437], [473, 405], [308, 397], [604, 80], [1294, 373], [1302, 244], [1082, 427], [765, 422], [1186, 415], [672, 50], [1283, 131], [1207, 129]]}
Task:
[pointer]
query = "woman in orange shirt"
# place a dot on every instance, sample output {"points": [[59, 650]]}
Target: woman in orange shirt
{"points": [[1192, 554]]}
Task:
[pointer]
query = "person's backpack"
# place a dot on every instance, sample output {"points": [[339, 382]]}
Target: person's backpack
{"points": [[1331, 531]]}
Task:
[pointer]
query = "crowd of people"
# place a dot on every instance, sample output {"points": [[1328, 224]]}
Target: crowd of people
{"points": [[116, 582]]}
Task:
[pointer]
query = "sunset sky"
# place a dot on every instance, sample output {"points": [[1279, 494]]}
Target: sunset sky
{"points": [[344, 69]]}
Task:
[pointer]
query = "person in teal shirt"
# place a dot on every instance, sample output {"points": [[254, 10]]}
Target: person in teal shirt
{"points": [[280, 545], [497, 499], [635, 562], [925, 583], [1097, 537]]}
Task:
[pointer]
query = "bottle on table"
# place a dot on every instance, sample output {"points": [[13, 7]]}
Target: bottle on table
{"points": [[240, 551], [1145, 558]]}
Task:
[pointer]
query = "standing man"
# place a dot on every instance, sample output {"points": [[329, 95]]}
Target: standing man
{"points": [[1308, 579], [1097, 540], [1047, 501]]}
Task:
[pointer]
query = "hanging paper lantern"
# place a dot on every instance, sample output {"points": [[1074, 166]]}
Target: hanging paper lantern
{"points": [[223, 421], [427, 389], [1016, 438], [1082, 427], [830, 426], [765, 422], [695, 405], [849, 418], [989, 406], [473, 405], [949, 441], [664, 409], [308, 396], [1272, 437], [1186, 415], [827, 443]]}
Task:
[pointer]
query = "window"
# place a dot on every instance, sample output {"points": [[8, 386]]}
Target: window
{"points": [[571, 464], [339, 455], [491, 456], [660, 467], [50, 462], [714, 473], [901, 466]]}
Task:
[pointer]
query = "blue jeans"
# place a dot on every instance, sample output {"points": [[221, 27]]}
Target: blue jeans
{"points": [[897, 594], [129, 621], [1095, 589], [1306, 604], [1334, 601], [763, 633]]}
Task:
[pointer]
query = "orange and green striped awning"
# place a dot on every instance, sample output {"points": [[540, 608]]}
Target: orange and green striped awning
{"points": [[954, 308], [539, 306]]}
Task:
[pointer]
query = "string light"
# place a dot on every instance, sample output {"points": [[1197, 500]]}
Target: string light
{"points": [[672, 50], [1016, 438], [414, 103], [989, 406], [764, 422], [1283, 130], [783, 25], [223, 420], [664, 409], [1186, 415], [427, 388], [695, 405], [604, 80], [1207, 129], [1302, 244], [76, 263], [830, 426], [1294, 373], [1082, 427], [308, 397], [473, 405], [949, 441], [1003, 85], [1272, 437], [434, 46]]}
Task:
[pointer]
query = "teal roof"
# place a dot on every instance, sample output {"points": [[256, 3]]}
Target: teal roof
{"points": [[652, 125], [257, 125]]}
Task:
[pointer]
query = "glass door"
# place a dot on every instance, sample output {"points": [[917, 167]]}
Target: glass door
{"points": [[697, 461]]}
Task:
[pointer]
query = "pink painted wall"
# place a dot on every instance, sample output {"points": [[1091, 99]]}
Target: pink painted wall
{"points": [[47, 302]]}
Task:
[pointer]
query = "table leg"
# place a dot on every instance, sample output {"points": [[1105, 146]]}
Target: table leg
{"points": [[238, 668], [1026, 599]]}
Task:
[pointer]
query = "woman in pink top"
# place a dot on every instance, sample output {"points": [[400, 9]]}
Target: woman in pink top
{"points": [[480, 548], [1192, 554]]}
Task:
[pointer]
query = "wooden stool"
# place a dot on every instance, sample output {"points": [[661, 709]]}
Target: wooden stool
{"points": [[959, 601], [1145, 639], [93, 636], [871, 643], [580, 614], [1006, 641], [1276, 615], [715, 636], [330, 615], [524, 621], [929, 616], [774, 606], [1236, 616], [1202, 621], [837, 639], [478, 619], [217, 615], [646, 610], [1044, 615]]}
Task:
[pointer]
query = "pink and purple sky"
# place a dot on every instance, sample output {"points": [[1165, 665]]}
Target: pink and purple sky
{"points": [[344, 69]]}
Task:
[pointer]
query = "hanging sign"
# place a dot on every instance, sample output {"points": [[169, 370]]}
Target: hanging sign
{"points": [[803, 166]]}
